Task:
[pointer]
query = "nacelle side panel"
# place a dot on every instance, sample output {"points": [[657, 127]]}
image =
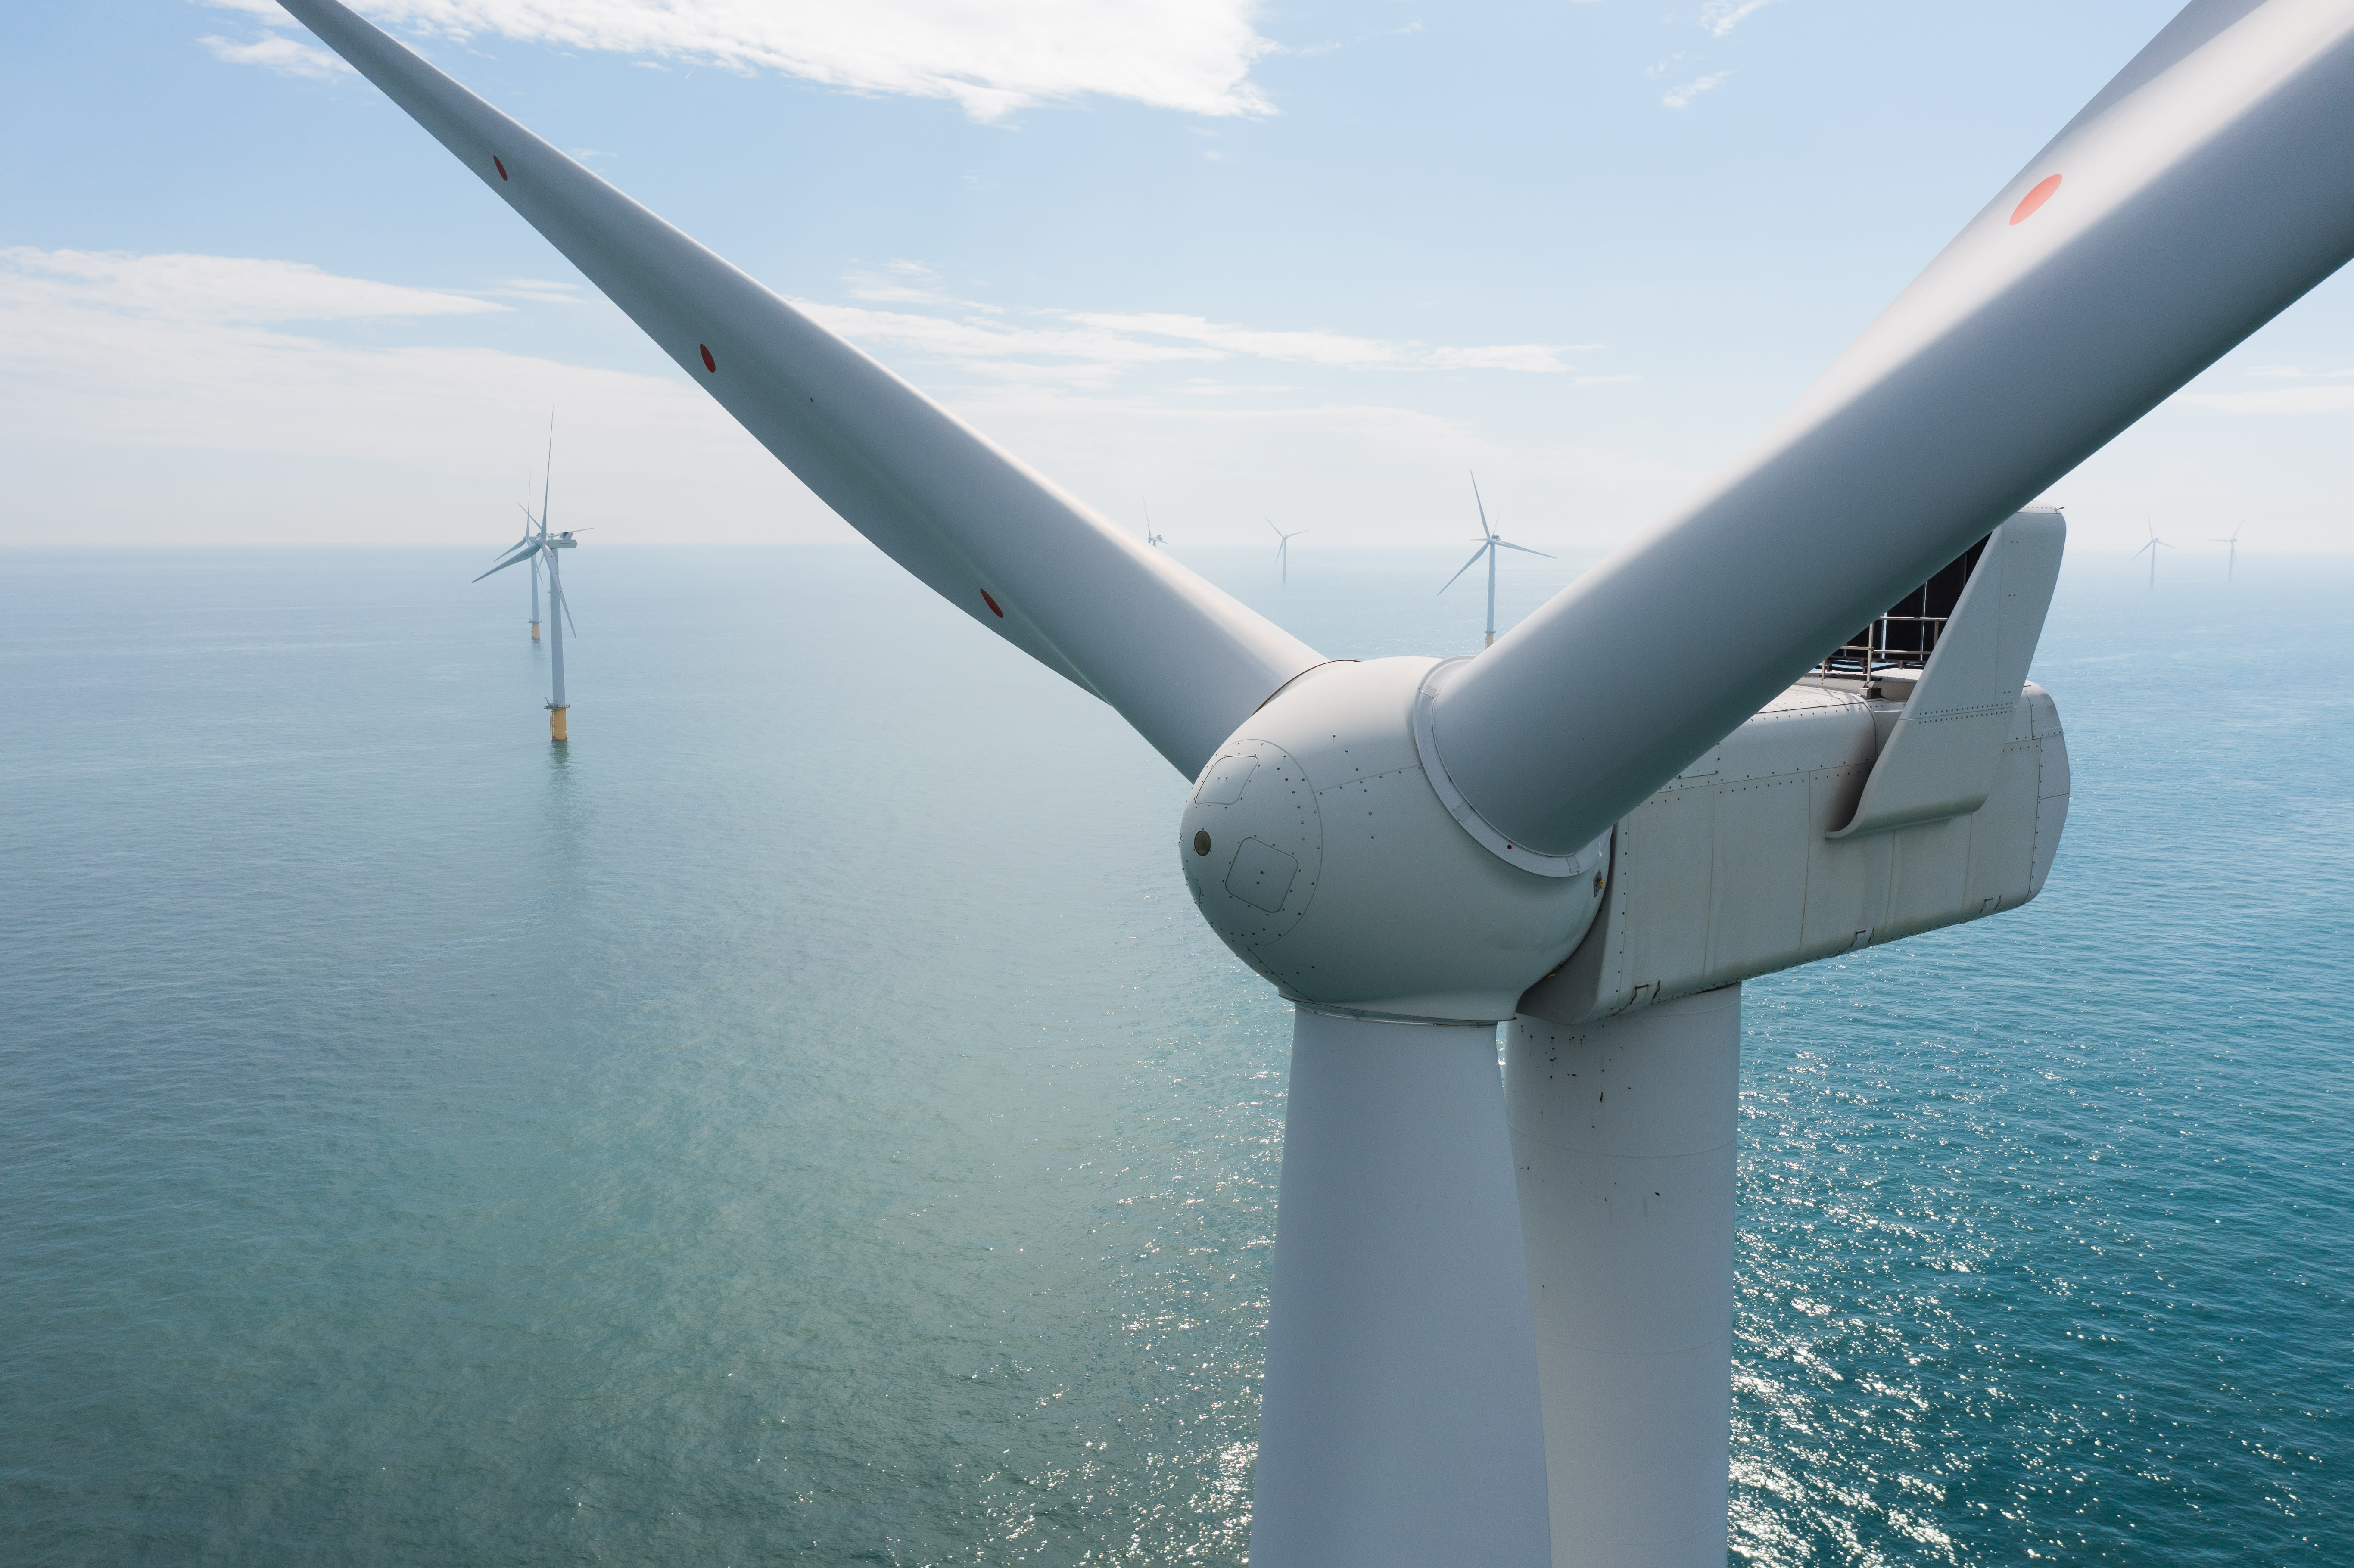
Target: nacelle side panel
{"points": [[1728, 872]]}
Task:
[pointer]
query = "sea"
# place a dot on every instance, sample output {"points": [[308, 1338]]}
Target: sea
{"points": [[802, 1118]]}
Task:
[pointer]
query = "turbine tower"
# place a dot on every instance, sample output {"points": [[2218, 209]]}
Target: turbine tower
{"points": [[1491, 543], [537, 543], [2151, 550], [1499, 1324], [530, 525], [1283, 548], [2231, 562]]}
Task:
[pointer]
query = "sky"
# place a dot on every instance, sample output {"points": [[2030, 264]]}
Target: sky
{"points": [[1228, 262]]}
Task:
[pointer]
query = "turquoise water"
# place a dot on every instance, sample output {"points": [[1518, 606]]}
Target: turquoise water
{"points": [[804, 1121]]}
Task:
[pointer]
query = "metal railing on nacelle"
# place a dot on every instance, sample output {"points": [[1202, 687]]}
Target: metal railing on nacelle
{"points": [[1905, 637]]}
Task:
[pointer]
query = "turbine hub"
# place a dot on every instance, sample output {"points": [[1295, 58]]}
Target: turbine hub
{"points": [[1317, 846]]}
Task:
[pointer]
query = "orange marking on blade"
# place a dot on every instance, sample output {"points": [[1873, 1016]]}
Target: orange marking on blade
{"points": [[992, 605], [708, 363], [2033, 200], [500, 167]]}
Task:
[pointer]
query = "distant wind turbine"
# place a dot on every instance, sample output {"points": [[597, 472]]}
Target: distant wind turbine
{"points": [[2231, 563], [537, 543], [1283, 548], [1490, 542], [2153, 547], [1150, 537]]}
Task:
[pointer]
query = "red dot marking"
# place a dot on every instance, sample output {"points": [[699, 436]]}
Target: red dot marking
{"points": [[500, 167], [708, 363], [2034, 200], [992, 605]]}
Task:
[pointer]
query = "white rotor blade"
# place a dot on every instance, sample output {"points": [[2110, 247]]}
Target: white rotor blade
{"points": [[520, 556], [1523, 549], [1180, 660], [1463, 568], [2200, 193]]}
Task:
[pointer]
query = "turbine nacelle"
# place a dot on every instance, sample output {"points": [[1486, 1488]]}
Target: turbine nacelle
{"points": [[1320, 849]]}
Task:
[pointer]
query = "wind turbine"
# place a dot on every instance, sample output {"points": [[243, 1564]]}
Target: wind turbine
{"points": [[1492, 542], [1150, 537], [535, 594], [537, 543], [2152, 548], [2231, 562], [1283, 548], [1485, 1344]]}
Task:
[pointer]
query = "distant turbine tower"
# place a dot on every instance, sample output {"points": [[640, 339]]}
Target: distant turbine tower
{"points": [[1490, 542], [1150, 537], [534, 544], [2231, 563], [2153, 547], [1283, 548], [530, 525]]}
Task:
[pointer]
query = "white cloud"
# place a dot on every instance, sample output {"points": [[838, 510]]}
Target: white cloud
{"points": [[2282, 400], [1721, 17], [1381, 422], [204, 398], [903, 282], [2293, 372], [541, 291], [166, 398], [1534, 357], [1096, 348], [1189, 55], [1333, 46], [1328, 348], [286, 55], [1683, 95], [1086, 356], [215, 288]]}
